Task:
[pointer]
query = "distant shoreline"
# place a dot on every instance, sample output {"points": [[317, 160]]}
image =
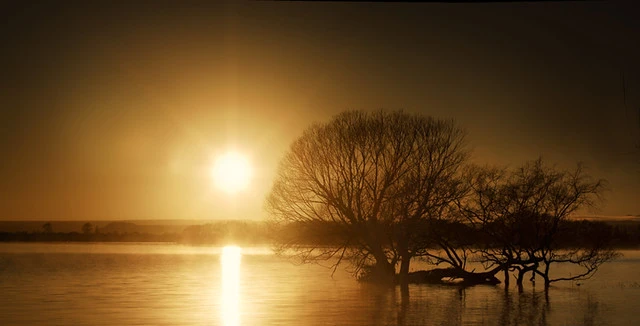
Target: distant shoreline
{"points": [[625, 233], [218, 232]]}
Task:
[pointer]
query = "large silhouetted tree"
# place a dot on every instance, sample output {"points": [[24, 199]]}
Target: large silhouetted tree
{"points": [[364, 183]]}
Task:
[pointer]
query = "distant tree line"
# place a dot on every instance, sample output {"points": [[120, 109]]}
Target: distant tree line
{"points": [[214, 233], [87, 237]]}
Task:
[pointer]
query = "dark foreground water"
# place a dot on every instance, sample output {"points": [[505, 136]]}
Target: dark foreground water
{"points": [[160, 284]]}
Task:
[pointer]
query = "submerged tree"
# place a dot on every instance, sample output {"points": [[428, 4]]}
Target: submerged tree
{"points": [[365, 183], [525, 215]]}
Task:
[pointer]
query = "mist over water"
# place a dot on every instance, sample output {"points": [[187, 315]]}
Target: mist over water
{"points": [[162, 284]]}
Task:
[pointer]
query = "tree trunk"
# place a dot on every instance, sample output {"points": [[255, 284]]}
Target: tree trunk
{"points": [[385, 267], [506, 277], [522, 272], [445, 275], [405, 261], [404, 270], [383, 271], [520, 279], [546, 275]]}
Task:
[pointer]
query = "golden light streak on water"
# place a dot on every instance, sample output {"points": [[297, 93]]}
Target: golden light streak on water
{"points": [[230, 260]]}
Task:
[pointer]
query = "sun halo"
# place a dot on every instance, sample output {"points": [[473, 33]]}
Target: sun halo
{"points": [[232, 172]]}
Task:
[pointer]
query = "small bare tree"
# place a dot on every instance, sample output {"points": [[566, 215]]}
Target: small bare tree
{"points": [[523, 213]]}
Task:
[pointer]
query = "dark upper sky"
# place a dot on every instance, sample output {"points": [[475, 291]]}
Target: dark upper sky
{"points": [[115, 111]]}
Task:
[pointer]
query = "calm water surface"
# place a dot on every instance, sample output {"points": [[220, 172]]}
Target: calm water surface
{"points": [[163, 284]]}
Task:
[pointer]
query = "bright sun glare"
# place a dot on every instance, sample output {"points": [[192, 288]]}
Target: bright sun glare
{"points": [[232, 172], [230, 297]]}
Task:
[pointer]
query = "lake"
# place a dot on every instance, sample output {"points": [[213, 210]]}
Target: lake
{"points": [[169, 284]]}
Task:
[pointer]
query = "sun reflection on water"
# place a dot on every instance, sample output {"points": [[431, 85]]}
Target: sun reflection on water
{"points": [[230, 298]]}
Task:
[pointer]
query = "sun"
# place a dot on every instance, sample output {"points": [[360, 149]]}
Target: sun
{"points": [[232, 172]]}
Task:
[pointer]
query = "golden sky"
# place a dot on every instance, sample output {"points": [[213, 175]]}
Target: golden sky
{"points": [[117, 111]]}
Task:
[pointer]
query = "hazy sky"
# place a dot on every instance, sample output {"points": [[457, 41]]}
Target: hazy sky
{"points": [[116, 111]]}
